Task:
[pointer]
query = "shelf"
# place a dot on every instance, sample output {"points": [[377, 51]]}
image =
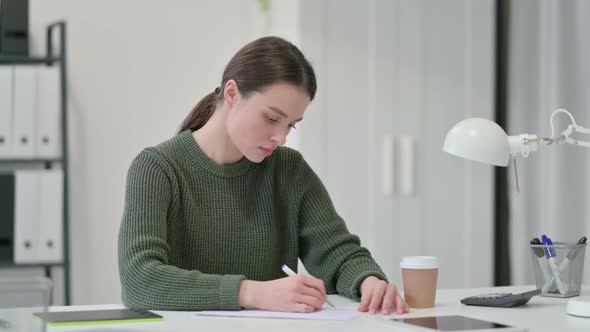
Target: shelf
{"points": [[32, 161], [55, 55], [9, 264], [23, 60]]}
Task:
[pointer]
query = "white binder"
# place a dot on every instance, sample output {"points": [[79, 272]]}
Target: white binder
{"points": [[51, 217], [26, 216], [38, 216], [25, 98], [5, 111], [48, 136]]}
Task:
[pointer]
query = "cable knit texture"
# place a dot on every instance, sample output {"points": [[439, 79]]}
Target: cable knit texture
{"points": [[192, 230]]}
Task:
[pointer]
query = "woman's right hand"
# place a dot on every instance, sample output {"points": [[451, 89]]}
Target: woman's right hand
{"points": [[298, 293]]}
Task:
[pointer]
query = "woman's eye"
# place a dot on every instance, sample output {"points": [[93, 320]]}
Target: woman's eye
{"points": [[275, 121]]}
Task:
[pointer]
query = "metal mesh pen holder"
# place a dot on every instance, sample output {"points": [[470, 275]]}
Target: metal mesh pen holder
{"points": [[558, 268]]}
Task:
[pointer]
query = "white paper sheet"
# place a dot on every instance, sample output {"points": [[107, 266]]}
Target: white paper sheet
{"points": [[323, 314]]}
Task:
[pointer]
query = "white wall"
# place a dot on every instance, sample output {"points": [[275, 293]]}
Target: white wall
{"points": [[549, 56], [405, 68], [135, 69]]}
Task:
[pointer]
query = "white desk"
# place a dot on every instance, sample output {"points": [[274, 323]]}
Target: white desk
{"points": [[540, 314]]}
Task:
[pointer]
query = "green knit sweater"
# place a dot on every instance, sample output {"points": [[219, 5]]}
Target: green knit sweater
{"points": [[192, 230]]}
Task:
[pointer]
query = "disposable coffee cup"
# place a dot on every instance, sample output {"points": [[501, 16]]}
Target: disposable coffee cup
{"points": [[419, 275]]}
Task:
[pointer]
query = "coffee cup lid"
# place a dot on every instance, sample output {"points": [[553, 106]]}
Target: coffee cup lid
{"points": [[419, 262]]}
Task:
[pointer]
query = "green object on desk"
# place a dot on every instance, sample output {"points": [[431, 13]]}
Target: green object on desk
{"points": [[5, 324], [94, 317]]}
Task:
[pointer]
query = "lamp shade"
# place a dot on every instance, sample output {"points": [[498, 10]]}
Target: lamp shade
{"points": [[480, 140]]}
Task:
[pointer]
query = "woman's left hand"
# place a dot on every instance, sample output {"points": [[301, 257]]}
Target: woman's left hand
{"points": [[377, 294]]}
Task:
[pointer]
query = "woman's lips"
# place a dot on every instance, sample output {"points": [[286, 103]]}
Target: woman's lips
{"points": [[266, 152]]}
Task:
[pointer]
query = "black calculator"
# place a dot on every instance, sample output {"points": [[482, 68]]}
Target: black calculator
{"points": [[505, 300]]}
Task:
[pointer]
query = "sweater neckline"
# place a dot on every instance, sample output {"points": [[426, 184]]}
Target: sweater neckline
{"points": [[200, 159]]}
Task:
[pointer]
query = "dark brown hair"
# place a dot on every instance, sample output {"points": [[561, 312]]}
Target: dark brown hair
{"points": [[257, 65]]}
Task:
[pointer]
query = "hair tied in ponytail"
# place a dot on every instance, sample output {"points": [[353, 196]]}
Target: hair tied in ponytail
{"points": [[257, 65]]}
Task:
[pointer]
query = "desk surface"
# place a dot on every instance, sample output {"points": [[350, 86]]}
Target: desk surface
{"points": [[540, 314]]}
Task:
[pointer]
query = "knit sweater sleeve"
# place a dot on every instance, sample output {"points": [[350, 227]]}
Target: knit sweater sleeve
{"points": [[148, 280], [328, 250]]}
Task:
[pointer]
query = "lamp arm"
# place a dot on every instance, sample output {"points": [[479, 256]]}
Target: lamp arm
{"points": [[565, 136], [561, 110], [524, 144]]}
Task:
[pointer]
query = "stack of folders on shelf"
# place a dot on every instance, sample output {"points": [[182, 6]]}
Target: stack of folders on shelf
{"points": [[30, 112], [31, 215]]}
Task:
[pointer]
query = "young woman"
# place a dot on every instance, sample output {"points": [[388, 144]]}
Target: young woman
{"points": [[212, 213]]}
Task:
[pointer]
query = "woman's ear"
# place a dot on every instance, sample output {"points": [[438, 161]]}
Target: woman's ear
{"points": [[231, 92]]}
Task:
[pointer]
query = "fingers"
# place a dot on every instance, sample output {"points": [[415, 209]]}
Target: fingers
{"points": [[314, 283], [315, 302], [388, 300], [377, 298], [309, 294], [380, 296], [401, 305], [365, 301], [310, 291], [302, 307]]}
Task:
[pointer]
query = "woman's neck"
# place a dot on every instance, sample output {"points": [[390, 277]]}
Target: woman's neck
{"points": [[214, 141]]}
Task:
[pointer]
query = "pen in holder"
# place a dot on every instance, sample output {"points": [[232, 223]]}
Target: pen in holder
{"points": [[558, 267]]}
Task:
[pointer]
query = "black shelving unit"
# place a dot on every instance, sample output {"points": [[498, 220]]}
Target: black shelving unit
{"points": [[52, 58]]}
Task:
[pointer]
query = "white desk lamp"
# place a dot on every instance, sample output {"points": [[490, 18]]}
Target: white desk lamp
{"points": [[485, 141]]}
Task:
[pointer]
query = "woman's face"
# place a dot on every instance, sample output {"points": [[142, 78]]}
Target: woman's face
{"points": [[261, 122]]}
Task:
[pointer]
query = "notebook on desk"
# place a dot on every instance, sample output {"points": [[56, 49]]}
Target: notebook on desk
{"points": [[323, 314], [91, 317]]}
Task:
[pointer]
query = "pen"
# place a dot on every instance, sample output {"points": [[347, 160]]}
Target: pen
{"points": [[550, 252], [540, 253], [571, 255], [290, 272], [566, 261]]}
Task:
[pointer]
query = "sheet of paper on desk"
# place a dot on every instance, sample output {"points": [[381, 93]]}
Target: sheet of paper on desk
{"points": [[324, 314]]}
